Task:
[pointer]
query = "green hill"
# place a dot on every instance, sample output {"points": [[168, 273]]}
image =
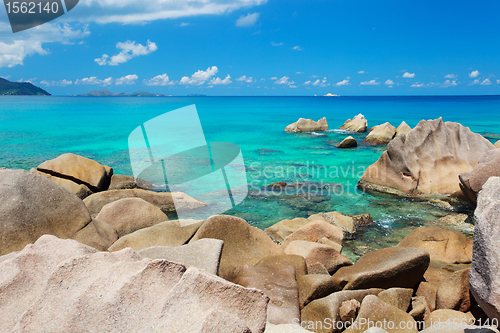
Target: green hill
{"points": [[20, 88]]}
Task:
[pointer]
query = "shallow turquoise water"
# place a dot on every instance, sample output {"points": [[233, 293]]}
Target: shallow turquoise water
{"points": [[34, 129]]}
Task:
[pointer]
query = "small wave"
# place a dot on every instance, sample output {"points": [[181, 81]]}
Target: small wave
{"points": [[341, 131], [318, 134]]}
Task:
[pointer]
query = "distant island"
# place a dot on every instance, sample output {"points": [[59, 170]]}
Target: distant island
{"points": [[20, 89], [106, 93], [196, 95]]}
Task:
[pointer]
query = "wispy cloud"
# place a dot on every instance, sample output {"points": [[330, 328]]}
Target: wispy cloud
{"points": [[248, 20], [486, 82], [451, 76], [389, 83], [276, 44], [297, 48], [61, 83], [284, 80], [407, 75], [449, 83], [129, 50], [320, 83], [361, 72], [474, 74], [418, 85], [343, 83], [200, 77], [370, 83], [93, 80]]}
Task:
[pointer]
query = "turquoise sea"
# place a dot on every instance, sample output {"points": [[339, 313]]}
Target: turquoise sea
{"points": [[34, 129]]}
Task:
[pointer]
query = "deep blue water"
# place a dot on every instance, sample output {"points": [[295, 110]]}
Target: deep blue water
{"points": [[34, 129]]}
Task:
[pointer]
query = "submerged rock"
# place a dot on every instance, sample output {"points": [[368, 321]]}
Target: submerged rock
{"points": [[348, 142], [426, 160], [308, 125], [381, 134], [358, 124], [472, 182]]}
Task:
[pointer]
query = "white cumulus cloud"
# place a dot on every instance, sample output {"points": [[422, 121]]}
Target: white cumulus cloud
{"points": [[449, 83], [61, 83], [246, 79], [321, 83], [409, 75], [370, 83], [129, 79], [474, 74], [159, 80], [200, 77], [248, 20], [219, 81], [129, 50], [284, 80], [389, 83], [451, 76], [93, 80], [486, 82], [342, 83], [418, 85]]}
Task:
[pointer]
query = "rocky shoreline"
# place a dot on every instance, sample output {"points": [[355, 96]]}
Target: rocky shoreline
{"points": [[84, 249]]}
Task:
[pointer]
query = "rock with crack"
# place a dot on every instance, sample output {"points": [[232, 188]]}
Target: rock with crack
{"points": [[308, 125]]}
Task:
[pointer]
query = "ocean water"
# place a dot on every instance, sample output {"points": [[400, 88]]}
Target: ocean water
{"points": [[34, 129]]}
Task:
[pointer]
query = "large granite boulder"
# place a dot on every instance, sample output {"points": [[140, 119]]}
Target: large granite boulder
{"points": [[381, 134], [203, 254], [385, 268], [445, 320], [32, 205], [97, 234], [243, 244], [348, 142], [454, 293], [121, 182], [484, 280], [497, 144], [80, 190], [308, 125], [472, 182], [162, 200], [443, 244], [398, 297], [59, 285], [169, 233], [358, 124], [426, 160], [314, 231], [80, 170], [402, 129], [131, 214]]}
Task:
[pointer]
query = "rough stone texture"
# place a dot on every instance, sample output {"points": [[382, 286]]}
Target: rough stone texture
{"points": [[419, 308], [315, 252], [329, 307], [428, 291], [286, 328], [385, 268], [131, 214], [281, 230], [349, 310], [308, 125], [32, 205], [373, 309], [358, 124], [443, 244], [497, 144], [162, 200], [381, 134], [398, 297], [317, 268], [203, 254], [98, 235], [484, 280], [79, 169], [80, 190], [243, 244], [59, 285], [120, 182], [472, 182], [426, 160], [314, 286], [298, 262], [402, 129], [170, 233], [276, 281], [454, 293], [314, 231], [348, 142], [439, 319]]}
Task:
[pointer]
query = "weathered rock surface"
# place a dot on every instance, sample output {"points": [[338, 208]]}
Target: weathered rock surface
{"points": [[121, 182], [285, 328], [315, 286], [314, 253], [314, 231], [277, 281], [32, 205], [374, 310], [381, 134], [484, 280], [357, 124], [454, 293], [426, 160], [348, 142], [169, 233], [402, 129], [497, 144], [79, 169], [98, 235], [203, 254], [162, 200], [443, 244], [398, 297], [80, 190], [329, 307], [131, 214], [348, 310], [243, 244], [443, 319], [59, 285], [308, 125], [472, 182], [385, 268]]}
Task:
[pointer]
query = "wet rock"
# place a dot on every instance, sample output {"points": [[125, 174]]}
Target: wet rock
{"points": [[308, 125], [472, 182], [78, 169], [357, 124], [443, 244], [381, 134], [426, 160], [348, 142], [32, 205], [385, 268], [169, 233]]}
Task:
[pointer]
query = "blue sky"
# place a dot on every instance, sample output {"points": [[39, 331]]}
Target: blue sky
{"points": [[259, 47]]}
